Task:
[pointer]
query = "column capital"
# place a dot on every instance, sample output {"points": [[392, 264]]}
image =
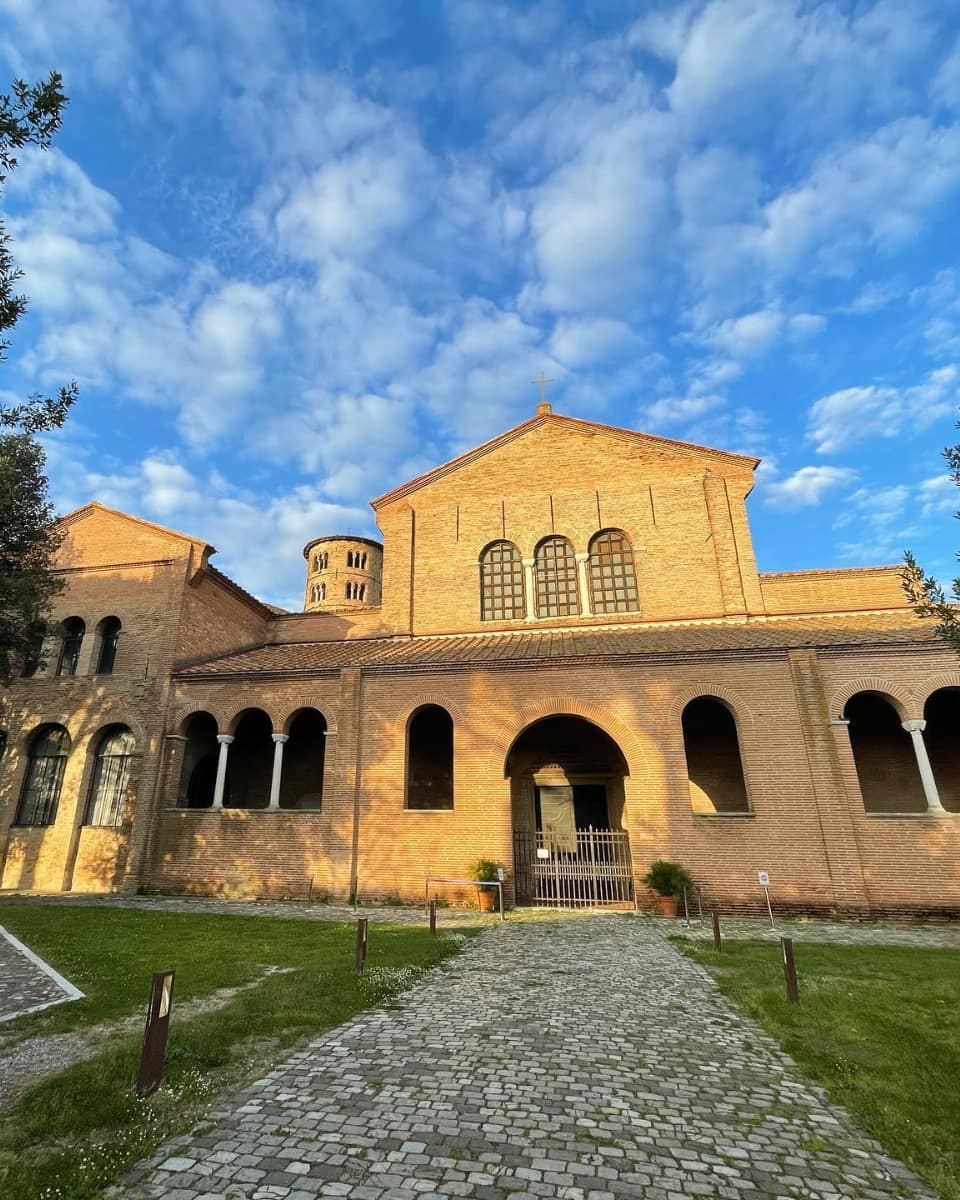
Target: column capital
{"points": [[583, 557], [914, 726], [280, 737], [529, 563], [225, 739]]}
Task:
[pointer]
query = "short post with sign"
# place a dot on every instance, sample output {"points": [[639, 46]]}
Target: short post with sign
{"points": [[155, 1034], [764, 877], [361, 941], [717, 940], [500, 878], [433, 917]]}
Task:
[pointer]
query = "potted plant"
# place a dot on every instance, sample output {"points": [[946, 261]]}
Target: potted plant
{"points": [[667, 879], [486, 870]]}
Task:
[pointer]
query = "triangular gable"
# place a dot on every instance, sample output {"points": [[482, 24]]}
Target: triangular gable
{"points": [[99, 535], [574, 423]]}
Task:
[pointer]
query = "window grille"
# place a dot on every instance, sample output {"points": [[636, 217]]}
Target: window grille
{"points": [[71, 635], [501, 583], [110, 776], [613, 577], [556, 579], [44, 777], [109, 636]]}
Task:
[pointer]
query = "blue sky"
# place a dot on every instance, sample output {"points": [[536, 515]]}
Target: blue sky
{"points": [[297, 253]]}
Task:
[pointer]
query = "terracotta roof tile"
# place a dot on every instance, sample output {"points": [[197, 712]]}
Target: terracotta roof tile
{"points": [[502, 649]]}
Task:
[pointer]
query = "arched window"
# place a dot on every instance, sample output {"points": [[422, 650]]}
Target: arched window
{"points": [[71, 639], [34, 653], [361, 591], [430, 758], [613, 577], [714, 767], [301, 784], [363, 561], [200, 757], [349, 558], [108, 635], [556, 579], [501, 583], [942, 736], [316, 592], [885, 760], [108, 788], [44, 778]]}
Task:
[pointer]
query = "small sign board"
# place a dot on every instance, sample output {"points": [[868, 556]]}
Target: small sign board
{"points": [[543, 852], [764, 877], [500, 874]]}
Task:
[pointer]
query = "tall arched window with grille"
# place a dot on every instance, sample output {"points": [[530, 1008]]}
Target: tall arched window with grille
{"points": [[501, 583], [613, 576], [47, 760], [555, 574], [108, 637], [71, 639], [111, 774]]}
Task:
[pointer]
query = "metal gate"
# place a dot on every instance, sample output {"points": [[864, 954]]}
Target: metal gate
{"points": [[598, 872]]}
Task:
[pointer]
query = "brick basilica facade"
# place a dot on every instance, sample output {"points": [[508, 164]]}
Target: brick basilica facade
{"points": [[561, 657]]}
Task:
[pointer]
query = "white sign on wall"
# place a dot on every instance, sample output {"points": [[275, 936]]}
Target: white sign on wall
{"points": [[764, 877]]}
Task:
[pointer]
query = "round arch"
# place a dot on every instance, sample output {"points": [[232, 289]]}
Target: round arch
{"points": [[738, 707], [630, 746], [903, 700], [283, 715]]}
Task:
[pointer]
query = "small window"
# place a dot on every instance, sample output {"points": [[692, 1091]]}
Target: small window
{"points": [[316, 563], [108, 789], [613, 577], [34, 654], [430, 759], [44, 778], [108, 636], [363, 561], [71, 639], [558, 594], [361, 591], [349, 558], [501, 583]]}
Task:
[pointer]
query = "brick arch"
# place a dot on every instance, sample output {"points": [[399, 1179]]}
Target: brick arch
{"points": [[234, 712], [902, 699], [738, 707], [28, 732], [948, 679], [283, 714], [117, 718], [452, 706], [630, 746], [189, 710]]}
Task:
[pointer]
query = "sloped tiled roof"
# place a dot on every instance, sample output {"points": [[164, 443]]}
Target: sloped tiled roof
{"points": [[639, 643]]}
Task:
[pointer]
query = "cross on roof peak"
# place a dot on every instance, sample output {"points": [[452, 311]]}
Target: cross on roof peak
{"points": [[544, 405]]}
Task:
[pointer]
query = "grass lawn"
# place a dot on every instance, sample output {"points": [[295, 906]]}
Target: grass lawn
{"points": [[877, 1026], [73, 1133]]}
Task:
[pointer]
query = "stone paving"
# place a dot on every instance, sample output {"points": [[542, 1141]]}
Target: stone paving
{"points": [[25, 986], [943, 935], [584, 1060]]}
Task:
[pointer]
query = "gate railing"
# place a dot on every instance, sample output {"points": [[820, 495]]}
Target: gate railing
{"points": [[549, 872]]}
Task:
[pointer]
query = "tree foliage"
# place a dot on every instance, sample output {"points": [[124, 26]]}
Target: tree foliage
{"points": [[30, 115], [925, 593]]}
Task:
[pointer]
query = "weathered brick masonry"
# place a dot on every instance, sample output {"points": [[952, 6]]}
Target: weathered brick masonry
{"points": [[327, 701]]}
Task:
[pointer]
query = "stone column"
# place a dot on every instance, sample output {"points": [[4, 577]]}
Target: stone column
{"points": [[585, 606], [915, 729], [225, 740], [528, 565], [279, 741]]}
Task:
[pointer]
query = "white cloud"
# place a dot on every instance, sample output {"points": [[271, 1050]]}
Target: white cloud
{"points": [[807, 486], [838, 420], [577, 341], [755, 333], [945, 87], [938, 495]]}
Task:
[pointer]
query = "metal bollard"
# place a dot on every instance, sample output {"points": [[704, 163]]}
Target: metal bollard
{"points": [[433, 917], [790, 970], [361, 941], [154, 1049], [717, 940]]}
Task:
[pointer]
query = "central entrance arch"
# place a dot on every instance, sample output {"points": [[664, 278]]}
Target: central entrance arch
{"points": [[567, 797]]}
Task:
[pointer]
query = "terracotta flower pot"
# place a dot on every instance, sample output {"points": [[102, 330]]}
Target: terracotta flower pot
{"points": [[487, 899], [667, 906]]}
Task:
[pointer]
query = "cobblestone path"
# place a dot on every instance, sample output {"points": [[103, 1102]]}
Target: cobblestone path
{"points": [[584, 1059], [26, 986]]}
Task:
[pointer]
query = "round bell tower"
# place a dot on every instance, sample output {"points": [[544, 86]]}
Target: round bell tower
{"points": [[344, 573]]}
